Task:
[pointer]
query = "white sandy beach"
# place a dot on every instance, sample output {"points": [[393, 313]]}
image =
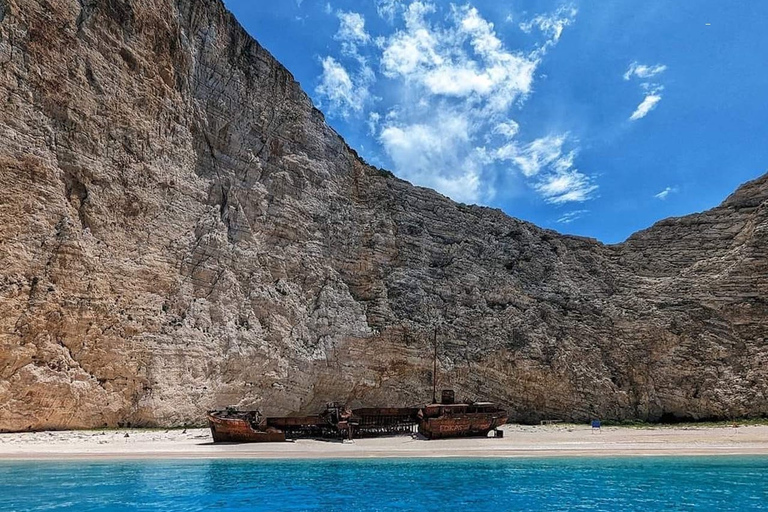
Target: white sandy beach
{"points": [[518, 441]]}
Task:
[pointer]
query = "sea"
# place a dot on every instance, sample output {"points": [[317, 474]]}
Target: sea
{"points": [[610, 484]]}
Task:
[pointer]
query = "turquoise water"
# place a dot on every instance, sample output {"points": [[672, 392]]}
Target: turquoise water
{"points": [[624, 484]]}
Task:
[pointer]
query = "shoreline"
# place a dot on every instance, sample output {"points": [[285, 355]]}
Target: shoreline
{"points": [[524, 442]]}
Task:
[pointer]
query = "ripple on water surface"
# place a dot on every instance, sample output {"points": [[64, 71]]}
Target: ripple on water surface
{"points": [[626, 484]]}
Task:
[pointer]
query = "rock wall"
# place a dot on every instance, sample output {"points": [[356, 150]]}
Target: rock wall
{"points": [[180, 230]]}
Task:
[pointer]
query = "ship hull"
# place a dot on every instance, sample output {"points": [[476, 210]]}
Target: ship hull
{"points": [[460, 425], [235, 430]]}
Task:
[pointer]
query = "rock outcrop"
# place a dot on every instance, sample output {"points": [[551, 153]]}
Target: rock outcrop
{"points": [[180, 230]]}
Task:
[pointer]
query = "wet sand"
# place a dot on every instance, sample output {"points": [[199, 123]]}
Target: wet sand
{"points": [[518, 441]]}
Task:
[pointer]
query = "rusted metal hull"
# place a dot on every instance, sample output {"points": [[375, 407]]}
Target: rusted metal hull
{"points": [[460, 425], [237, 430]]}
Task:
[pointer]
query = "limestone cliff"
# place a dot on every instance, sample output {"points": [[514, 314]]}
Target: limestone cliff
{"points": [[180, 230]]}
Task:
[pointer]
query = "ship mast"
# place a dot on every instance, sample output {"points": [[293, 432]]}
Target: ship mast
{"points": [[434, 370]]}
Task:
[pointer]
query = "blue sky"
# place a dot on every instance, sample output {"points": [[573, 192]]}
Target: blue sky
{"points": [[591, 118]]}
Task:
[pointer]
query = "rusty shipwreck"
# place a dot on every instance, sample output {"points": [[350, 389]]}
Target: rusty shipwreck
{"points": [[434, 421]]}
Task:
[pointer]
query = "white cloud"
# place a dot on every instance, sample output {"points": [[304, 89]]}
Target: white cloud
{"points": [[373, 122], [507, 129], [328, 9], [643, 71], [453, 87], [550, 166], [566, 186], [652, 90], [649, 103], [434, 154], [465, 81], [572, 216], [347, 93], [435, 58], [352, 28], [664, 193], [535, 156], [409, 51], [552, 25], [352, 35], [343, 94]]}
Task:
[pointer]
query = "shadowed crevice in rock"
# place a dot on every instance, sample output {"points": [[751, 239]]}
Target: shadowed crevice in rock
{"points": [[86, 11], [119, 12]]}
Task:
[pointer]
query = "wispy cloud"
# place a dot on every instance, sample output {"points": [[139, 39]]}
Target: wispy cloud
{"points": [[652, 90], [343, 93], [567, 186], [551, 168], [508, 129], [643, 71], [572, 216], [649, 103], [373, 122], [664, 193], [531, 158], [551, 24], [352, 28], [388, 9]]}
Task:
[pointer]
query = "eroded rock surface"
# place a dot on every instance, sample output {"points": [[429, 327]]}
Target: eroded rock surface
{"points": [[180, 230]]}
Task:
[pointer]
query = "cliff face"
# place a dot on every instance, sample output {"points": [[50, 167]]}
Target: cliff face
{"points": [[180, 230]]}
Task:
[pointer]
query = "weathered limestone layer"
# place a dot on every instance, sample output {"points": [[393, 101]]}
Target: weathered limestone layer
{"points": [[180, 230]]}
